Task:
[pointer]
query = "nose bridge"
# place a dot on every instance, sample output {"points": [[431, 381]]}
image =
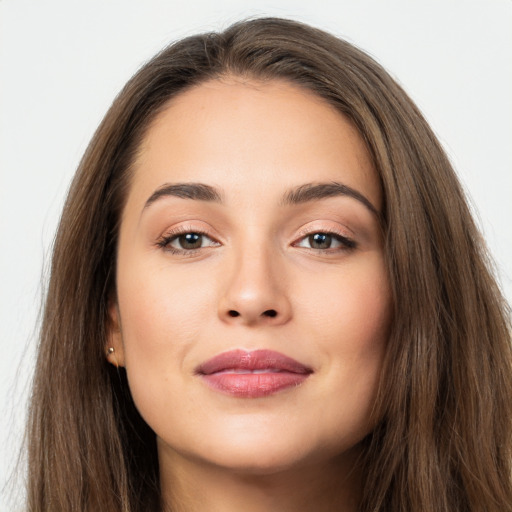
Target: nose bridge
{"points": [[255, 289]]}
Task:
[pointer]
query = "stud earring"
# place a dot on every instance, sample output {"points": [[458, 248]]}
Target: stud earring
{"points": [[110, 350]]}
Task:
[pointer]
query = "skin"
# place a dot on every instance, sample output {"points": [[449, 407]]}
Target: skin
{"points": [[296, 449]]}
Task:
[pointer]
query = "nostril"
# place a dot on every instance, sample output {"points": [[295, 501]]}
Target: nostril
{"points": [[233, 313], [270, 312]]}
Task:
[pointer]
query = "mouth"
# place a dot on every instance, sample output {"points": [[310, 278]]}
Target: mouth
{"points": [[252, 374]]}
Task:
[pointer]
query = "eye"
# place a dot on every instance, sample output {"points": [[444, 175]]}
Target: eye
{"points": [[325, 241], [186, 241]]}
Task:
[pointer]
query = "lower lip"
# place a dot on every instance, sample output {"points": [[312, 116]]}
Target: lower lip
{"points": [[253, 385]]}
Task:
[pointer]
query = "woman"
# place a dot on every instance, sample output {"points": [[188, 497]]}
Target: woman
{"points": [[268, 293]]}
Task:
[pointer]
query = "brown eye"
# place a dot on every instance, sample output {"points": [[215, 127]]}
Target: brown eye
{"points": [[190, 241], [326, 241], [320, 241], [186, 242]]}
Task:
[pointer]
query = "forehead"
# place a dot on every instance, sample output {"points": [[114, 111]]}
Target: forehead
{"points": [[238, 132]]}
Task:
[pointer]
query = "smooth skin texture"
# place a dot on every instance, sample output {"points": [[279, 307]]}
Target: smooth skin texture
{"points": [[182, 299]]}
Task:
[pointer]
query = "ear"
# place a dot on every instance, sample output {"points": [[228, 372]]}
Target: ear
{"points": [[114, 348]]}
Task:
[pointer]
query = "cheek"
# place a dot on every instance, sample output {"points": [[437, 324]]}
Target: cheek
{"points": [[352, 324], [161, 316], [365, 311], [159, 308], [350, 310]]}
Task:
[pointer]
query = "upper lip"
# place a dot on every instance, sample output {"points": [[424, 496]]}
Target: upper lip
{"points": [[251, 360]]}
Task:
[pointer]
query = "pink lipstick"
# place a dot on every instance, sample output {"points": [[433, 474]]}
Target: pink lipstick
{"points": [[252, 374]]}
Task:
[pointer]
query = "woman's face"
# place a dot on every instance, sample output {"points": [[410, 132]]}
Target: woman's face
{"points": [[253, 303]]}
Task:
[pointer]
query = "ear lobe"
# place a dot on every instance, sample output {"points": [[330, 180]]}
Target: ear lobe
{"points": [[114, 349]]}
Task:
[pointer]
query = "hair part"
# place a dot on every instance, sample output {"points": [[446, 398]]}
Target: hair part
{"points": [[443, 440]]}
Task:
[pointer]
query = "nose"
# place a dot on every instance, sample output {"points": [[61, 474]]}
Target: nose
{"points": [[255, 292]]}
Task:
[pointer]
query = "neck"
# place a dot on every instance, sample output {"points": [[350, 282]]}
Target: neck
{"points": [[191, 485]]}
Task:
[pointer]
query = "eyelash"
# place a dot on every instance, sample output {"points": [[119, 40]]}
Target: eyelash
{"points": [[347, 243], [165, 241]]}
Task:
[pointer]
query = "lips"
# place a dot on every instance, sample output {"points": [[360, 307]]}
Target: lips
{"points": [[252, 374]]}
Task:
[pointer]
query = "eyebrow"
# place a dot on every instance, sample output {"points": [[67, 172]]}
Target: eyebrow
{"points": [[316, 191], [197, 191], [299, 195]]}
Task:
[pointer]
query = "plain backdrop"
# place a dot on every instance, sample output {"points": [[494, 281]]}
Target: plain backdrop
{"points": [[63, 61]]}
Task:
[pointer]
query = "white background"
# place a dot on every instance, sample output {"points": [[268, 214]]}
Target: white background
{"points": [[63, 61]]}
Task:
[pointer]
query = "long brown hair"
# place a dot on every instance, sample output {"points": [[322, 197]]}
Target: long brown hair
{"points": [[443, 442]]}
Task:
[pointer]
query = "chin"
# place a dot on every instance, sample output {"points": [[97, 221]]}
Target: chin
{"points": [[263, 461], [269, 454]]}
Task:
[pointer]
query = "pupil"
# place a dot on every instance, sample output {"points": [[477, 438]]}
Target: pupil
{"points": [[190, 241], [320, 241]]}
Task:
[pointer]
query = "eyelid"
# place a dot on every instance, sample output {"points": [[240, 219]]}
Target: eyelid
{"points": [[311, 229], [347, 240], [174, 232], [326, 226]]}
